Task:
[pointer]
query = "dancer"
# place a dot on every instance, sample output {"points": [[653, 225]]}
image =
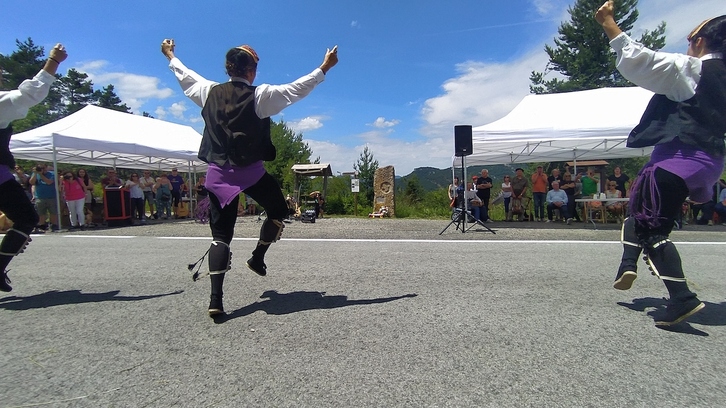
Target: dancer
{"points": [[235, 142], [13, 201], [685, 122]]}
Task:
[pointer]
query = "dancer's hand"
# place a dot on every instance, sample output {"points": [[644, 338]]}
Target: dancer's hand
{"points": [[605, 12], [331, 58], [167, 48]]}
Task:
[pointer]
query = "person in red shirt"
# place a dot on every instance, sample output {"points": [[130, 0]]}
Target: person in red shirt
{"points": [[539, 193]]}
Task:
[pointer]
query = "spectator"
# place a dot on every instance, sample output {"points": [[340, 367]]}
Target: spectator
{"points": [[473, 201], [484, 192], [453, 195], [137, 198], [74, 193], [720, 207], [507, 196], [177, 186], [570, 187], [24, 181], [252, 205], [589, 183], [82, 175], [147, 186], [45, 192], [554, 177], [539, 193], [162, 192], [111, 180], [199, 189], [621, 180], [519, 191], [557, 200], [614, 207]]}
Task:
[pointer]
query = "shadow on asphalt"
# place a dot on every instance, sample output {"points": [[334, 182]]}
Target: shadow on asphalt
{"points": [[69, 297], [286, 303], [714, 314]]}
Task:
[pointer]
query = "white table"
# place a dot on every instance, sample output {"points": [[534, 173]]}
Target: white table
{"points": [[587, 208]]}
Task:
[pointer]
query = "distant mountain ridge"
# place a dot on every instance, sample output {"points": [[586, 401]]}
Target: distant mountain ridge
{"points": [[432, 178]]}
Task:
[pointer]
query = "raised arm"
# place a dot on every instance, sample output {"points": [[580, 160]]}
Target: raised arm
{"points": [[272, 99], [194, 86]]}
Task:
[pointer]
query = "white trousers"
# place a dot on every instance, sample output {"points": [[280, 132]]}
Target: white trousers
{"points": [[75, 208]]}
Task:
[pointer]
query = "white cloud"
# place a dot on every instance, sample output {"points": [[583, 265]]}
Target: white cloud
{"points": [[133, 89], [381, 122], [306, 124], [177, 109], [680, 17], [354, 24]]}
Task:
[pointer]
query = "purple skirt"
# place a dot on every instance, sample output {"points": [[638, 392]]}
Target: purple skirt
{"points": [[228, 181]]}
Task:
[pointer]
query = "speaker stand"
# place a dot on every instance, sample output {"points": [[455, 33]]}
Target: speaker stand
{"points": [[462, 214]]}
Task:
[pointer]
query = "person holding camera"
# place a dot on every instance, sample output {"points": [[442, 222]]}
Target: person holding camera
{"points": [[74, 192], [14, 203], [43, 179]]}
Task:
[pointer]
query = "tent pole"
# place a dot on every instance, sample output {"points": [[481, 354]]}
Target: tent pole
{"points": [[57, 186]]}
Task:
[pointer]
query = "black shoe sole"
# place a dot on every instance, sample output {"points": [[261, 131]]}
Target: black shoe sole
{"points": [[683, 316], [625, 282]]}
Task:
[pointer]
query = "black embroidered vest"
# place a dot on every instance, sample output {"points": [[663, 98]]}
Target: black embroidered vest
{"points": [[699, 121], [233, 133], [6, 158]]}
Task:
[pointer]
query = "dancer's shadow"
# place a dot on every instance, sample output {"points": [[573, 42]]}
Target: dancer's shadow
{"points": [[69, 297], [714, 314], [286, 303]]}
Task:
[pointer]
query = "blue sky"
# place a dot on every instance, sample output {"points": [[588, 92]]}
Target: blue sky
{"points": [[408, 72]]}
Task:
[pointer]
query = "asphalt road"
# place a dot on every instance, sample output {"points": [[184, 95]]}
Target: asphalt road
{"points": [[359, 313]]}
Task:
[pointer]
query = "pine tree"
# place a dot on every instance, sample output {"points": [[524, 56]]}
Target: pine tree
{"points": [[366, 167], [107, 98], [76, 91], [582, 54]]}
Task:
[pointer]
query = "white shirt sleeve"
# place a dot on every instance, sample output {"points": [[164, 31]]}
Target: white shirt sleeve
{"points": [[195, 86], [15, 104], [272, 99], [673, 75]]}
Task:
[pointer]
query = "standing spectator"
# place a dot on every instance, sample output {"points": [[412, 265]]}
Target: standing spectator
{"points": [[45, 193], [519, 191], [557, 200], [484, 192], [589, 183], [507, 196], [319, 205], [162, 192], [24, 181], [453, 188], [177, 186], [685, 122], [74, 192], [201, 211], [621, 179], [147, 185], [111, 180], [82, 175], [137, 198], [554, 177], [539, 193]]}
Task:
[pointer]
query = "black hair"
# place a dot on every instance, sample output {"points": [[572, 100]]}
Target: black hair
{"points": [[239, 63], [714, 33]]}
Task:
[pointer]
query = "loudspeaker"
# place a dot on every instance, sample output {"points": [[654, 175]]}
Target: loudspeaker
{"points": [[462, 140]]}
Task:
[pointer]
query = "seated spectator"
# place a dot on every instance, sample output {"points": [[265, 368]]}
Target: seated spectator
{"points": [[621, 179], [111, 179], [614, 207], [162, 191], [473, 201], [720, 207], [557, 200]]}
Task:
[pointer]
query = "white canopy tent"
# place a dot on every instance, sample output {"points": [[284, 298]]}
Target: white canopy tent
{"points": [[570, 126], [96, 136]]}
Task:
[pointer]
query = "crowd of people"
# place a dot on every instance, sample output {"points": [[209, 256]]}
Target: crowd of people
{"points": [[539, 197]]}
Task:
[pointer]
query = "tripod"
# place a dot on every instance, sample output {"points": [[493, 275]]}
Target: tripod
{"points": [[462, 214]]}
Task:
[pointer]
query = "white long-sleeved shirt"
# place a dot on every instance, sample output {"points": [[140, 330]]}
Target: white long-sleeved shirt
{"points": [[15, 104], [269, 99], [554, 196], [674, 75]]}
